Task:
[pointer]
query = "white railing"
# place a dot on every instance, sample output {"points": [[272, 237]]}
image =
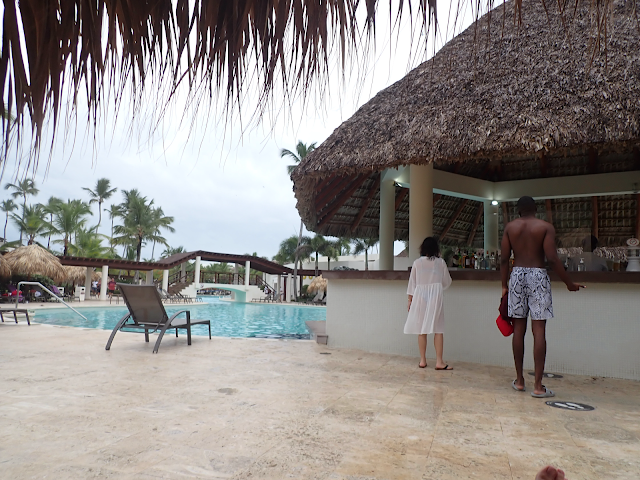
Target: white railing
{"points": [[49, 292]]}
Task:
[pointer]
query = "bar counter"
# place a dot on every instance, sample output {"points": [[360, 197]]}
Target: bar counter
{"points": [[596, 331]]}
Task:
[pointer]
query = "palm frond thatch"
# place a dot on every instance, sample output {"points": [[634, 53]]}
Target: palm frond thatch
{"points": [[318, 283], [77, 275], [35, 260], [5, 269], [111, 48]]}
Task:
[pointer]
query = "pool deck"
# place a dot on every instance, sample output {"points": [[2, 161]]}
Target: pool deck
{"points": [[275, 409]]}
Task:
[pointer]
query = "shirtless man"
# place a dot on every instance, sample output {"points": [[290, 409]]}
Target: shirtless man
{"points": [[529, 287]]}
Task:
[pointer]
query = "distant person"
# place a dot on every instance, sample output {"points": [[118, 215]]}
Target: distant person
{"points": [[529, 288], [591, 261], [111, 286], [429, 278]]}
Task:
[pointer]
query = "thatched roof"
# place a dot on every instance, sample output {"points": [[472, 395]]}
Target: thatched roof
{"points": [[35, 260], [77, 275], [5, 269], [531, 103], [318, 283]]}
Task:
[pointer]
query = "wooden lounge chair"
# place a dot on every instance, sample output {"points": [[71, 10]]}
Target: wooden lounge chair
{"points": [[147, 314]]}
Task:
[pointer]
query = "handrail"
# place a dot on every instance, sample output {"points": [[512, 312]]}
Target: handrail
{"points": [[49, 292]]}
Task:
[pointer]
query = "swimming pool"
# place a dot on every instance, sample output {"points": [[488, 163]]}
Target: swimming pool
{"points": [[228, 319]]}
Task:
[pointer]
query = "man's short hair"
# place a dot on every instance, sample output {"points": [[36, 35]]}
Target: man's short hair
{"points": [[526, 205]]}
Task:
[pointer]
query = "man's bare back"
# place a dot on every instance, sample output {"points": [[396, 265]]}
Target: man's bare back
{"points": [[526, 237]]}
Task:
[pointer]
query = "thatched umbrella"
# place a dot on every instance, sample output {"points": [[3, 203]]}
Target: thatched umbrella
{"points": [[5, 270], [528, 104], [35, 260], [75, 275], [318, 283]]}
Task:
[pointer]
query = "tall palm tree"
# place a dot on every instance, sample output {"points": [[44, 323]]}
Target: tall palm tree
{"points": [[88, 243], [114, 212], [7, 206], [172, 251], [102, 192], [68, 219], [50, 208], [343, 245], [320, 246], [161, 221], [31, 223], [141, 223], [361, 245], [302, 150], [24, 188], [287, 251]]}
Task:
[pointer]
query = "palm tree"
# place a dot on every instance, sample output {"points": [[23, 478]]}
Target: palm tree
{"points": [[331, 251], [7, 206], [172, 251], [23, 188], [31, 223], [50, 208], [141, 223], [101, 193], [287, 251], [302, 150], [88, 244], [320, 246], [114, 212], [68, 219], [343, 244], [160, 221], [363, 245]]}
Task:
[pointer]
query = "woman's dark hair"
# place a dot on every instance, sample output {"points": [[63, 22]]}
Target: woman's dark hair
{"points": [[430, 248]]}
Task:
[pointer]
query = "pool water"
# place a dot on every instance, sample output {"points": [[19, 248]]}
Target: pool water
{"points": [[228, 319]]}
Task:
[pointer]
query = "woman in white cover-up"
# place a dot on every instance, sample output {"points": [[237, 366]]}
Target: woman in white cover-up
{"points": [[429, 278]]}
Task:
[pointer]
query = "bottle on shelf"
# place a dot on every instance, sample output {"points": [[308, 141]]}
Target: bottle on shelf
{"points": [[492, 261], [467, 260], [581, 265]]}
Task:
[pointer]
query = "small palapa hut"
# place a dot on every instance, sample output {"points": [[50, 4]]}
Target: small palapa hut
{"points": [[547, 106]]}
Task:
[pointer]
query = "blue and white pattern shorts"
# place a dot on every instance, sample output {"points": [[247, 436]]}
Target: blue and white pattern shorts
{"points": [[530, 293]]}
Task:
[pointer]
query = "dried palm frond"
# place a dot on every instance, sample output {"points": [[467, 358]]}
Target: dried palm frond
{"points": [[35, 260], [5, 269], [117, 47], [318, 283]]}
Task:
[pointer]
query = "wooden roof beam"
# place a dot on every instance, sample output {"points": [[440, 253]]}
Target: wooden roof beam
{"points": [[342, 199], [325, 182], [476, 222], [365, 204], [593, 160], [400, 197], [453, 219], [436, 198], [549, 208], [331, 191]]}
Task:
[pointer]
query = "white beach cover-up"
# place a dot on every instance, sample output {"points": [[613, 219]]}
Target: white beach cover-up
{"points": [[429, 278]]}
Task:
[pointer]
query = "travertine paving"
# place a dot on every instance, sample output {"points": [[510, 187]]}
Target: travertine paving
{"points": [[274, 409]]}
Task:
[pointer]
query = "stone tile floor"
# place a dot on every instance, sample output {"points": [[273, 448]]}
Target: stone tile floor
{"points": [[273, 409]]}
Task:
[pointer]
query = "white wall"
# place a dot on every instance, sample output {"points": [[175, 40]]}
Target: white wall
{"points": [[595, 331]]}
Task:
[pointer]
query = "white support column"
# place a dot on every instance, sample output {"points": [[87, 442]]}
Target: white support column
{"points": [[87, 283], [387, 222], [420, 207], [165, 280], [279, 289], [183, 271], [289, 288], [247, 272], [149, 277], [196, 278], [235, 274], [104, 282], [490, 227]]}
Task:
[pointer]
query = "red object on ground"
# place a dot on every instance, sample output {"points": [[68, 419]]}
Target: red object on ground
{"points": [[504, 322]]}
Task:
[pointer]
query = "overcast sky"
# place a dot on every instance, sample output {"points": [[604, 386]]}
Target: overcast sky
{"points": [[228, 192]]}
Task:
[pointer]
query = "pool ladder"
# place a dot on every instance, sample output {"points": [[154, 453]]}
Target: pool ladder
{"points": [[49, 292]]}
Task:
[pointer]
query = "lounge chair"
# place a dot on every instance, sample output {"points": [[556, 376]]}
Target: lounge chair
{"points": [[66, 297], [147, 314]]}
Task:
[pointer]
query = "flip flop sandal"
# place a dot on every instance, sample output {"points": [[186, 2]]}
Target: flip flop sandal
{"points": [[445, 368], [547, 393], [422, 366], [515, 387]]}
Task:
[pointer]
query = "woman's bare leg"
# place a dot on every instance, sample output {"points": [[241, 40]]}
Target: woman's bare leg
{"points": [[422, 347], [438, 342]]}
